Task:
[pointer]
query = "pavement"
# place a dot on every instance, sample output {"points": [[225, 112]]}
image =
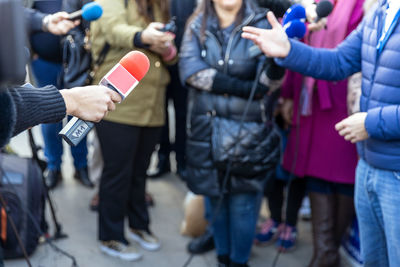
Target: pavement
{"points": [[72, 202]]}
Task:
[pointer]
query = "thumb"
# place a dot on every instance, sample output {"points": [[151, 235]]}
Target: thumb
{"points": [[272, 20]]}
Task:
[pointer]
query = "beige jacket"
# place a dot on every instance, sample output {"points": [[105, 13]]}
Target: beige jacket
{"points": [[118, 25]]}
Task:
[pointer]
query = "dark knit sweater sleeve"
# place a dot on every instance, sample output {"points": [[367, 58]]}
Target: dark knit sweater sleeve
{"points": [[7, 117], [37, 105]]}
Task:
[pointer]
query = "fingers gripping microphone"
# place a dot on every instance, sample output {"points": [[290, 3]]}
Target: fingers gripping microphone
{"points": [[89, 12], [122, 78], [323, 9]]}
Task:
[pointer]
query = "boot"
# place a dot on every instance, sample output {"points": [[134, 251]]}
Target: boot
{"points": [[223, 261], [202, 244], [323, 225], [344, 215], [52, 178], [82, 175]]}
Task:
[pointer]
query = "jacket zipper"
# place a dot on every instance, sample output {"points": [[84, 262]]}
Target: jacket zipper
{"points": [[228, 48]]}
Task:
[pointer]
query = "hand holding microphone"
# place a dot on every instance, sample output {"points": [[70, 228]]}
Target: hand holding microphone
{"points": [[122, 79], [317, 15]]}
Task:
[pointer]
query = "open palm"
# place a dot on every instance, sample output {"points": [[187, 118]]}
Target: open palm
{"points": [[273, 42]]}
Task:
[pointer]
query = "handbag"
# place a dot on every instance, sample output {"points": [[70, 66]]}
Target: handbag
{"points": [[253, 151], [77, 60]]}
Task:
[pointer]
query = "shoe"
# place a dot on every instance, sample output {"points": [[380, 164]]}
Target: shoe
{"points": [[146, 239], [287, 239], [182, 173], [223, 260], [83, 176], [149, 200], [163, 167], [94, 202], [120, 250], [270, 231], [52, 178], [305, 210], [202, 244]]}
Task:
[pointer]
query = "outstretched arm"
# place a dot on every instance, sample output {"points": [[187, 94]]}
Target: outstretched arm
{"points": [[326, 64]]}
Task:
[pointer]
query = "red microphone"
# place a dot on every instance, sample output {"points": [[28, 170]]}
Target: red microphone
{"points": [[122, 78]]}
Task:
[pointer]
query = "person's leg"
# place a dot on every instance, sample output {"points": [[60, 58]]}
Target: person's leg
{"points": [[179, 96], [296, 192], [344, 210], [138, 214], [205, 242], [369, 216], [220, 226], [243, 215], [387, 185], [137, 209], [271, 228], [115, 180], [53, 148], [323, 213], [288, 236]]}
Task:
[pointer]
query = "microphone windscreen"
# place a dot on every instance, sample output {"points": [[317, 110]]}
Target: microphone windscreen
{"points": [[136, 63], [294, 12], [92, 11], [324, 8], [295, 29]]}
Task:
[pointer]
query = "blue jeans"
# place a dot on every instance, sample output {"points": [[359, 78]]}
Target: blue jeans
{"points": [[47, 73], [377, 200], [235, 225]]}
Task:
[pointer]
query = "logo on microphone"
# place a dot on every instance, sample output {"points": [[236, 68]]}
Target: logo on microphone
{"points": [[80, 130]]}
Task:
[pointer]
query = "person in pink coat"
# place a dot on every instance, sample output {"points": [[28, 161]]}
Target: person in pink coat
{"points": [[315, 150]]}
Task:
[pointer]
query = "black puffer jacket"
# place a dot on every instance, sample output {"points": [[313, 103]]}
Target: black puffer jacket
{"points": [[203, 177]]}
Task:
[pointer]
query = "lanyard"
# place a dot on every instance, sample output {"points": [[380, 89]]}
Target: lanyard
{"points": [[382, 41]]}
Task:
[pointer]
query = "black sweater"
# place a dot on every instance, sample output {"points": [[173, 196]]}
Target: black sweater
{"points": [[24, 107]]}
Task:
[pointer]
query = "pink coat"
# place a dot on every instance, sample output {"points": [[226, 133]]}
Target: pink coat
{"points": [[314, 147]]}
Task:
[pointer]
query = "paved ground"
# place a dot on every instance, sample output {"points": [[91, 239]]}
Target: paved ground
{"points": [[80, 225]]}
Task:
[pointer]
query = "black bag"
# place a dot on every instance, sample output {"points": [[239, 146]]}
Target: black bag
{"points": [[21, 188], [77, 60], [253, 152]]}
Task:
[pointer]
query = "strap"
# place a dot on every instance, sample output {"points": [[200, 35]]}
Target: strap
{"points": [[3, 224], [100, 60]]}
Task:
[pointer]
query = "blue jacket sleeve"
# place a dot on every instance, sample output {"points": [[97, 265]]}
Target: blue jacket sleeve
{"points": [[326, 64], [33, 20], [383, 123], [190, 60]]}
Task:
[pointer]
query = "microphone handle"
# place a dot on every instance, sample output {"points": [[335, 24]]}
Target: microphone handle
{"points": [[75, 15], [75, 130]]}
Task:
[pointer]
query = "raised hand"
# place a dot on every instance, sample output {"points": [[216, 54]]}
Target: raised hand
{"points": [[273, 42]]}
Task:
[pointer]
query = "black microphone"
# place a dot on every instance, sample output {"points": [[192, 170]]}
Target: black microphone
{"points": [[324, 8]]}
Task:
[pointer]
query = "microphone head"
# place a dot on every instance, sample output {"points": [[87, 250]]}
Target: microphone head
{"points": [[92, 11], [294, 12], [136, 63], [295, 29], [324, 8]]}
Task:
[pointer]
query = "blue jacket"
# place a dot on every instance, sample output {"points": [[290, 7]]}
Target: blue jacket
{"points": [[380, 82]]}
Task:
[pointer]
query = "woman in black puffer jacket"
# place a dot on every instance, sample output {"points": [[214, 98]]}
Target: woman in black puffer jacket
{"points": [[215, 63]]}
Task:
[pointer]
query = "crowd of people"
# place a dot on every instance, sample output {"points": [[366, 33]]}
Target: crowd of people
{"points": [[245, 126]]}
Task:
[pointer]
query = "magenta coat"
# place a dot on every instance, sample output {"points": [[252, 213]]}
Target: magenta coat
{"points": [[314, 147]]}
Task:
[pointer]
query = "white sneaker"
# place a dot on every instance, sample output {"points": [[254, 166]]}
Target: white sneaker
{"points": [[146, 240], [120, 250]]}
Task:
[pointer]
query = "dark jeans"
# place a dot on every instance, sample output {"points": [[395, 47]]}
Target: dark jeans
{"points": [[274, 193], [126, 153], [235, 225], [178, 94], [47, 73]]}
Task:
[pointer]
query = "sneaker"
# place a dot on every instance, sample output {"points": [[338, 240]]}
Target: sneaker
{"points": [[146, 239], [287, 239], [270, 231], [120, 250]]}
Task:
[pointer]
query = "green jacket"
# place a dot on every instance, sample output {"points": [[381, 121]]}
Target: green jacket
{"points": [[118, 25]]}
